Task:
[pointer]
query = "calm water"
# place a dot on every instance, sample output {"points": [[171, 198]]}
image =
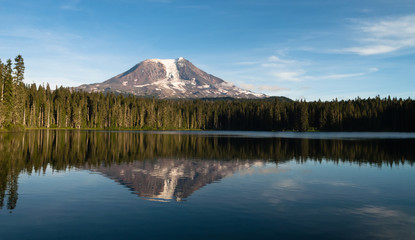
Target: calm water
{"points": [[210, 185]]}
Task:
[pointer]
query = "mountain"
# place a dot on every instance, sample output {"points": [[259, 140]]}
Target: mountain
{"points": [[169, 78]]}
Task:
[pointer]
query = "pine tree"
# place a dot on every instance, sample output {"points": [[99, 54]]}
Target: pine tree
{"points": [[1, 93], [2, 68], [19, 115], [8, 100]]}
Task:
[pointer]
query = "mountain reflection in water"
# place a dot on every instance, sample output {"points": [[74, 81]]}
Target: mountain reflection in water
{"points": [[167, 179], [173, 166]]}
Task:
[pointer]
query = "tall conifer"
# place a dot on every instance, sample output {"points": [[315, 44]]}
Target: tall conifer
{"points": [[1, 93], [8, 100], [19, 114]]}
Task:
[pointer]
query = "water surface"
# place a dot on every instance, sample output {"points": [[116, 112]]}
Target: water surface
{"points": [[187, 185]]}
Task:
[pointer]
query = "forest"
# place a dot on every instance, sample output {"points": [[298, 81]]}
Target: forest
{"points": [[31, 106]]}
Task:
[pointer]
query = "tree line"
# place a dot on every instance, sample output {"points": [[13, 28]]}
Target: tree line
{"points": [[32, 106]]}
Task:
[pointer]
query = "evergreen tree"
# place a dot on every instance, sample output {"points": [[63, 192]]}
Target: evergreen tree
{"points": [[19, 114], [2, 74], [1, 93], [8, 92]]}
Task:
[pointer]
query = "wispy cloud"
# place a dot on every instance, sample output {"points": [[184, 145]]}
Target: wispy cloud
{"points": [[141, 1], [340, 76], [301, 75], [384, 36], [247, 63], [42, 35], [161, 1], [271, 88], [278, 62], [291, 76], [194, 7], [283, 69], [347, 75], [289, 70], [268, 88], [371, 50], [50, 56], [71, 5], [277, 59]]}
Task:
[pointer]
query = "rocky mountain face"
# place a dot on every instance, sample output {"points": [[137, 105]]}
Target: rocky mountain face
{"points": [[169, 78]]}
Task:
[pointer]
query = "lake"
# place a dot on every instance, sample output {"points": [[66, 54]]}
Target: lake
{"points": [[64, 184]]}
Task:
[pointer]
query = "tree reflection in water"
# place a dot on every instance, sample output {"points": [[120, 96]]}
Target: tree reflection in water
{"points": [[172, 166]]}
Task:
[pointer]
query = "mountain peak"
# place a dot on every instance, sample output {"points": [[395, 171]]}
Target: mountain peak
{"points": [[170, 78]]}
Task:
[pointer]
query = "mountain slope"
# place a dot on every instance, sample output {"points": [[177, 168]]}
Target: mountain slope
{"points": [[169, 78]]}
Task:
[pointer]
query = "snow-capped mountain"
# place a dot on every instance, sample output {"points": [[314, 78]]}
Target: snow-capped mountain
{"points": [[169, 78]]}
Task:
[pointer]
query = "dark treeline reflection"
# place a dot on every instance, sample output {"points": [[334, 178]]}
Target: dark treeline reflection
{"points": [[34, 151]]}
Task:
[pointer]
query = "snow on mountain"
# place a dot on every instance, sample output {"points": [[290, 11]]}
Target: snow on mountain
{"points": [[169, 78]]}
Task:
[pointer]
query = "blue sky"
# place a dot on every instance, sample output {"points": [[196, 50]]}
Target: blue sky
{"points": [[302, 49]]}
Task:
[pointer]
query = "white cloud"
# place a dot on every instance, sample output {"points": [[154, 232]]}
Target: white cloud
{"points": [[292, 71], [271, 88], [344, 75], [384, 36], [195, 7], [54, 57], [340, 76], [43, 36], [279, 60], [291, 76], [300, 75], [268, 88], [271, 62], [53, 81], [371, 50], [71, 5], [246, 63], [272, 65], [284, 69]]}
